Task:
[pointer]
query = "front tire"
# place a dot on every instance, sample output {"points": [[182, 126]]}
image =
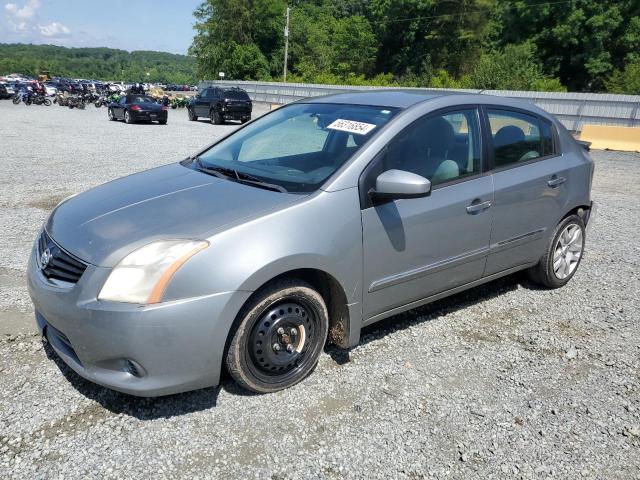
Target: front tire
{"points": [[277, 337], [563, 254], [216, 118], [111, 115], [191, 114]]}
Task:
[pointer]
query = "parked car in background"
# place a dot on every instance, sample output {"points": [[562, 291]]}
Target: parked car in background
{"points": [[221, 104], [134, 108], [50, 89], [6, 91], [317, 219]]}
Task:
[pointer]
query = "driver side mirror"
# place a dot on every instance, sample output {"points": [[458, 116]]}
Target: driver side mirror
{"points": [[394, 184]]}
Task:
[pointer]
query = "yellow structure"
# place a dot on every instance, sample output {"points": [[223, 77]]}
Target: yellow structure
{"points": [[603, 137]]}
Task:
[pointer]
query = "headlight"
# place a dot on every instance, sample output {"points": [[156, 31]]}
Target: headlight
{"points": [[143, 275]]}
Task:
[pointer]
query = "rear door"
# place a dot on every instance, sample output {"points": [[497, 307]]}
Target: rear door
{"points": [[415, 248], [529, 176]]}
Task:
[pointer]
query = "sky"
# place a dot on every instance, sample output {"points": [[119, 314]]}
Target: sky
{"points": [[160, 25]]}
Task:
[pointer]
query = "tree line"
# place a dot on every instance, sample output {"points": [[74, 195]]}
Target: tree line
{"points": [[97, 63], [575, 45]]}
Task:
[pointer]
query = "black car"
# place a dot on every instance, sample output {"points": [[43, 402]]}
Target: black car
{"points": [[136, 108], [221, 104], [4, 93]]}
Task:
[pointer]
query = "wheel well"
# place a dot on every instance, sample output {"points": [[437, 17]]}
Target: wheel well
{"points": [[334, 297], [583, 211]]}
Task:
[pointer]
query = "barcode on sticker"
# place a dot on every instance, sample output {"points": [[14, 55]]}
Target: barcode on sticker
{"points": [[359, 128]]}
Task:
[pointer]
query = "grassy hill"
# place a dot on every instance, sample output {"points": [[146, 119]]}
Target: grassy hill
{"points": [[97, 63]]}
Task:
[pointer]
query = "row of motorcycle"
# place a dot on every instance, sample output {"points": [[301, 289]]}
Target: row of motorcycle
{"points": [[62, 99], [81, 100]]}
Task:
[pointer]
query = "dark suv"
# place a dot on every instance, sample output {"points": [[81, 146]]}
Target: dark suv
{"points": [[221, 104]]}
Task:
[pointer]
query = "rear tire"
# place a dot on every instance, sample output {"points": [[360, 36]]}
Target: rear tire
{"points": [[127, 117], [277, 337], [47, 102], [562, 255], [162, 122]]}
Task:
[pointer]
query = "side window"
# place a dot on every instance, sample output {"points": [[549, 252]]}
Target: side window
{"points": [[438, 147], [516, 137], [123, 100], [547, 138]]}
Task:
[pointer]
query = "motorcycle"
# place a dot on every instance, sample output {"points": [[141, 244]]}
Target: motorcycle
{"points": [[179, 102], [37, 99], [62, 99], [76, 101], [105, 99], [20, 97]]}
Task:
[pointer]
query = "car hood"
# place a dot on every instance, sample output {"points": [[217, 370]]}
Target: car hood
{"points": [[102, 225]]}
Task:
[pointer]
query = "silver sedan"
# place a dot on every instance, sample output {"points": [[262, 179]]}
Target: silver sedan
{"points": [[302, 227]]}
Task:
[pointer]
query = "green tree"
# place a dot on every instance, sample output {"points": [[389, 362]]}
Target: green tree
{"points": [[626, 80], [582, 41], [514, 68], [230, 32], [418, 36], [97, 63]]}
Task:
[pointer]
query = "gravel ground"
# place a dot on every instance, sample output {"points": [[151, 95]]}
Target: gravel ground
{"points": [[503, 381]]}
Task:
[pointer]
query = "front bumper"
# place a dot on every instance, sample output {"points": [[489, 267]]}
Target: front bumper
{"points": [[140, 350]]}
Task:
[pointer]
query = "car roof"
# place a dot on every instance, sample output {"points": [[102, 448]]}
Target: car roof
{"points": [[403, 99], [399, 98]]}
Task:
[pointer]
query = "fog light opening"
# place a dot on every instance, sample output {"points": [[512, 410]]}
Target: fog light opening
{"points": [[133, 368]]}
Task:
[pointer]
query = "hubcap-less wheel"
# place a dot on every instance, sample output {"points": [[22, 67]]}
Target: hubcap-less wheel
{"points": [[279, 341], [278, 336], [567, 251]]}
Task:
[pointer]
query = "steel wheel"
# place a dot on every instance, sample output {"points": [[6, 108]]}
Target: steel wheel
{"points": [[568, 251], [281, 338], [278, 337]]}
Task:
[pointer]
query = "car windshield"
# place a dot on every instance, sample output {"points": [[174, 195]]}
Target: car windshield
{"points": [[140, 99], [299, 146], [236, 95]]}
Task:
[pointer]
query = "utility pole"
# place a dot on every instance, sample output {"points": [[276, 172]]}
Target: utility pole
{"points": [[286, 46]]}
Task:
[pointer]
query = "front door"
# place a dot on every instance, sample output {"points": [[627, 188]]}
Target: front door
{"points": [[416, 248], [201, 103]]}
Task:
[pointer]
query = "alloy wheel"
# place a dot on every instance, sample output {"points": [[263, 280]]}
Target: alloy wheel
{"points": [[568, 251]]}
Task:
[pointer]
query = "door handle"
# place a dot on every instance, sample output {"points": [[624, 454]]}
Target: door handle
{"points": [[556, 181], [478, 207]]}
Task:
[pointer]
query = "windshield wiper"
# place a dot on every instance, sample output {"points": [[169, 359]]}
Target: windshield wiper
{"points": [[240, 177]]}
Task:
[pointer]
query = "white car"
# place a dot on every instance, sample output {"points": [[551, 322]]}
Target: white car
{"points": [[50, 90]]}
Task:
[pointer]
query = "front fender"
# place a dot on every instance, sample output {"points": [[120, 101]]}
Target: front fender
{"points": [[323, 232]]}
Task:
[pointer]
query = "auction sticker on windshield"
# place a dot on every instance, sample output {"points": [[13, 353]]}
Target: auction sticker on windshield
{"points": [[351, 126]]}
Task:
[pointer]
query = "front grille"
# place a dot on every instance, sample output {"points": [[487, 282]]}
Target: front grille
{"points": [[59, 265]]}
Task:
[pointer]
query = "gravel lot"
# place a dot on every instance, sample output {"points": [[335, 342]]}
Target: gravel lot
{"points": [[504, 381]]}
